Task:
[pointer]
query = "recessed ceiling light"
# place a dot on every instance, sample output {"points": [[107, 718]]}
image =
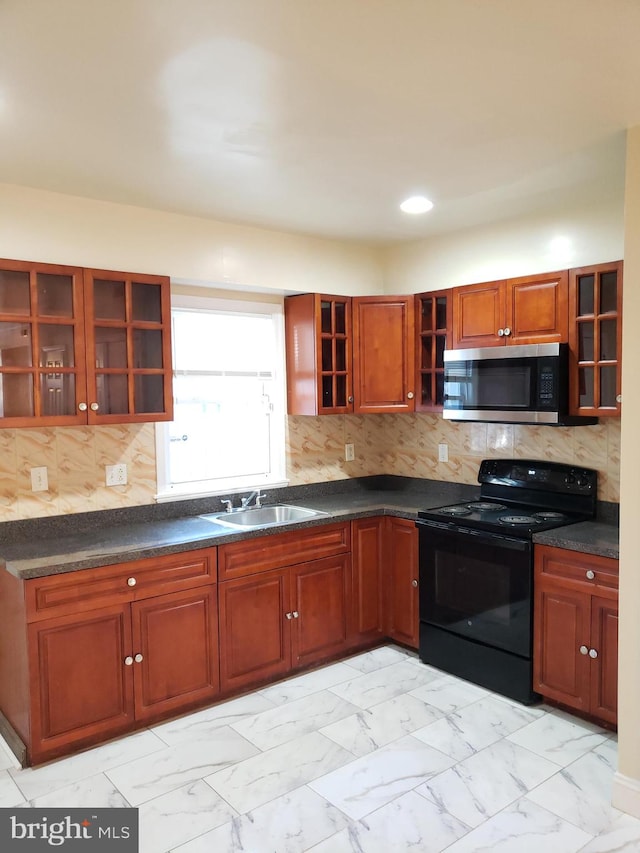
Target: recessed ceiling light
{"points": [[416, 204]]}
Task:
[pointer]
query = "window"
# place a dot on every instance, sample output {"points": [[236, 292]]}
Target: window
{"points": [[228, 385]]}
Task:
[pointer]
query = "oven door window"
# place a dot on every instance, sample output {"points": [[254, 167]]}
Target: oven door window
{"points": [[478, 586]]}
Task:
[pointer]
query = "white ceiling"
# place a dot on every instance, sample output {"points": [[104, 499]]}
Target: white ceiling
{"points": [[320, 116]]}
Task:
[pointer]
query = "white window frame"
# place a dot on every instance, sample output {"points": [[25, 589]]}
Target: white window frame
{"points": [[198, 489]]}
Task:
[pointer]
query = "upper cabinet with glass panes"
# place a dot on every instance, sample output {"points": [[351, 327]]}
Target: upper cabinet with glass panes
{"points": [[82, 346], [595, 338]]}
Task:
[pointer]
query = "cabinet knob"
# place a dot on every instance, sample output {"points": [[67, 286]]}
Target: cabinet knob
{"points": [[590, 574], [507, 331], [350, 399], [83, 407], [131, 581], [584, 650], [289, 615], [414, 583], [138, 658], [94, 407], [128, 660], [410, 395], [500, 333], [593, 653], [295, 614], [618, 398]]}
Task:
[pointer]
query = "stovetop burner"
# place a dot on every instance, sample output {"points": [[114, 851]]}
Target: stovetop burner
{"points": [[455, 510], [518, 519], [549, 516], [486, 506]]}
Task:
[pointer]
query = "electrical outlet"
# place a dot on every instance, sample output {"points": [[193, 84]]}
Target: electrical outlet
{"points": [[39, 480], [349, 453], [116, 475], [443, 453]]}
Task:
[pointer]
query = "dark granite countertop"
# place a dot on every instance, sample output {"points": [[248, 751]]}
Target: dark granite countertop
{"points": [[45, 546], [590, 537]]}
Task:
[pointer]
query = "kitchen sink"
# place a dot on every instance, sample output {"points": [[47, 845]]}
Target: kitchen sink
{"points": [[263, 516]]}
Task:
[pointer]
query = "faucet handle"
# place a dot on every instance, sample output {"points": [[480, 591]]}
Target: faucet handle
{"points": [[259, 497], [228, 504]]}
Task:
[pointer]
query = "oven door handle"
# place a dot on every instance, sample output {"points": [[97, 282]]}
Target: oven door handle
{"points": [[497, 539]]}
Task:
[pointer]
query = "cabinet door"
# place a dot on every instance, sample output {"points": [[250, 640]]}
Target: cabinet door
{"points": [[318, 347], [604, 668], [320, 620], [595, 338], [401, 576], [42, 356], [128, 322], [81, 688], [478, 315], [254, 630], [368, 536], [536, 309], [383, 354], [175, 651], [562, 629]]}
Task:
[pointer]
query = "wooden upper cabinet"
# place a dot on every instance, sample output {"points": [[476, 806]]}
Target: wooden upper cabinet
{"points": [[383, 354], [433, 336], [595, 337], [349, 354], [318, 351], [527, 310], [82, 347]]}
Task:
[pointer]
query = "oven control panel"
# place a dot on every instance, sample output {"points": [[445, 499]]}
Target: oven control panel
{"points": [[536, 475]]}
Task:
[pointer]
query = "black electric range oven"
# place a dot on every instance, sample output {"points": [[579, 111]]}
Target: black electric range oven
{"points": [[476, 570]]}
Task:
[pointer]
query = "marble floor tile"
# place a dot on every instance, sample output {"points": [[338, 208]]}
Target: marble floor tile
{"points": [[523, 827], [179, 816], [376, 659], [558, 739], [475, 727], [307, 684], [95, 790], [253, 782], [371, 728], [367, 783], [581, 792], [407, 823], [201, 723], [448, 694], [176, 766], [10, 793], [480, 786], [381, 684], [292, 823], [35, 782], [622, 836], [294, 719]]}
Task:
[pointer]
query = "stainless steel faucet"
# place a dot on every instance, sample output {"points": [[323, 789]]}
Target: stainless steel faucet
{"points": [[247, 500]]}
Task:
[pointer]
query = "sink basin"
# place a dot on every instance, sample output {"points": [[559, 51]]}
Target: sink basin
{"points": [[263, 516]]}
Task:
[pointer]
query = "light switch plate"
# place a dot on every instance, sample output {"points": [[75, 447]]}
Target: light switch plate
{"points": [[443, 453], [39, 480], [349, 453]]}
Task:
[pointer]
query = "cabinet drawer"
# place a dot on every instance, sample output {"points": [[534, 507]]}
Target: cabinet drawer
{"points": [[89, 588], [588, 569], [239, 559]]}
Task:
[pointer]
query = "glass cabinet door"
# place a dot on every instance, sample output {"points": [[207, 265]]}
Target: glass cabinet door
{"points": [[433, 330], [334, 370], [595, 331], [129, 349], [42, 373]]}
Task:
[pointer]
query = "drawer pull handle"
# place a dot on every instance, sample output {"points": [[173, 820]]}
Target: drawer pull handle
{"points": [[593, 653], [591, 574], [138, 658], [128, 660], [131, 581], [584, 650]]}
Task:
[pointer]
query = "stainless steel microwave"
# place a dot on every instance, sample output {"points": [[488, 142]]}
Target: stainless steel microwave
{"points": [[524, 384]]}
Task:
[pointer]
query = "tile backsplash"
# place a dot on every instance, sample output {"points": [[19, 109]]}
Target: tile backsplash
{"points": [[407, 445]]}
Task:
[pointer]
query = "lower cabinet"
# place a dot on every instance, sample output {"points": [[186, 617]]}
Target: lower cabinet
{"points": [[385, 579], [576, 631], [107, 650]]}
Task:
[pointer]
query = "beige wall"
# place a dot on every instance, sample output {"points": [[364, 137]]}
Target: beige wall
{"points": [[626, 793]]}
